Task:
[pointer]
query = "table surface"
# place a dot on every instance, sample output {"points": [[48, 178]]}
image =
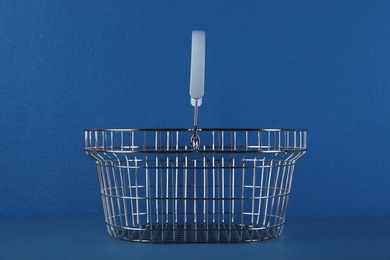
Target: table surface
{"points": [[87, 238]]}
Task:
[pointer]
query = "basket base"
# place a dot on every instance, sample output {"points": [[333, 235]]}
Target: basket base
{"points": [[200, 233]]}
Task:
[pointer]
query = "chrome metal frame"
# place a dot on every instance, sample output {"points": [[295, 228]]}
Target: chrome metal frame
{"points": [[164, 185]]}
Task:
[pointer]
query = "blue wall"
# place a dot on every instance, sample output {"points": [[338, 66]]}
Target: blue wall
{"points": [[70, 65]]}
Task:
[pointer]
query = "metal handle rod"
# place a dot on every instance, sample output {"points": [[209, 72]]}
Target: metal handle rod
{"points": [[195, 140]]}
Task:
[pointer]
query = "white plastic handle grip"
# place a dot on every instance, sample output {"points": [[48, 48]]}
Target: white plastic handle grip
{"points": [[198, 52]]}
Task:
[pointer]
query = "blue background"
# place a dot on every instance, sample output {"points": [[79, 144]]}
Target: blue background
{"points": [[66, 66]]}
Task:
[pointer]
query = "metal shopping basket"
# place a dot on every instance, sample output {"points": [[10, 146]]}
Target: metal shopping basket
{"points": [[195, 185]]}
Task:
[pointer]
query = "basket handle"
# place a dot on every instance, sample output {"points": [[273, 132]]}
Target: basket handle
{"points": [[198, 53]]}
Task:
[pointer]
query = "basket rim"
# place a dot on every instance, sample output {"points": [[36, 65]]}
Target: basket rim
{"points": [[188, 148], [192, 129]]}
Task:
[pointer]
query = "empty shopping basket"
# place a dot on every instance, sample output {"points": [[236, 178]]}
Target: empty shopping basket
{"points": [[195, 185]]}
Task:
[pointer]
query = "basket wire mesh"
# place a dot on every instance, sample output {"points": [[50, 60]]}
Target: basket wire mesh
{"points": [[195, 185], [164, 185]]}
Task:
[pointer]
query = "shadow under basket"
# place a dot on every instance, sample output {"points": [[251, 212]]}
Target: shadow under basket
{"points": [[233, 185]]}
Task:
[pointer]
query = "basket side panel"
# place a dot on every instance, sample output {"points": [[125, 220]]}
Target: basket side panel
{"points": [[199, 192]]}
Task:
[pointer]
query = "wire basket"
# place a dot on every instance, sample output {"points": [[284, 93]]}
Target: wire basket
{"points": [[195, 185], [159, 185]]}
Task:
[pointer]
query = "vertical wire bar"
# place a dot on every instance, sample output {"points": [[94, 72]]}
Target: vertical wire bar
{"points": [[96, 140], [235, 140], [223, 141], [147, 188], [261, 191], [219, 199], [110, 212], [156, 138], [205, 201], [161, 195], [231, 221], [276, 179], [288, 188], [132, 141], [161, 198], [232, 193], [285, 141], [125, 196], [104, 139], [168, 140], [281, 189], [268, 191], [124, 193], [253, 193], [213, 141], [259, 140], [295, 139], [176, 185], [246, 141], [117, 188], [121, 142], [285, 185], [177, 140], [100, 171], [136, 191], [300, 139], [231, 197], [284, 190], [291, 172], [204, 189], [223, 187], [167, 191], [243, 191], [86, 140], [130, 189], [170, 192], [288, 140], [269, 140], [218, 186], [112, 140], [185, 197], [111, 200], [157, 201], [185, 190], [195, 200], [104, 197], [144, 141], [214, 198], [194, 171], [92, 139], [276, 140]]}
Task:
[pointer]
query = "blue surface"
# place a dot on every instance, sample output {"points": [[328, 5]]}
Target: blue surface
{"points": [[70, 65], [357, 238]]}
